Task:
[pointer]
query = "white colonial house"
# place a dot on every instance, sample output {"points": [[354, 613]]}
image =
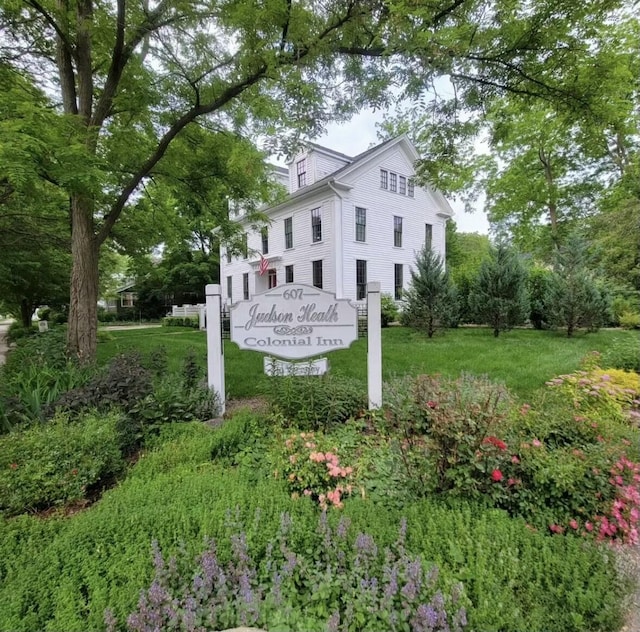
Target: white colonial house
{"points": [[346, 221]]}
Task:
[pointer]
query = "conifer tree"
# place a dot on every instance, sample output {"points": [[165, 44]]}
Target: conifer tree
{"points": [[431, 301], [575, 299], [499, 297]]}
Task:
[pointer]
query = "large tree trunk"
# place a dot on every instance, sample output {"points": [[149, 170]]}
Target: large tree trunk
{"points": [[82, 334]]}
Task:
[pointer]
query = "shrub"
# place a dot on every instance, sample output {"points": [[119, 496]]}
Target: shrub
{"points": [[181, 321], [57, 463], [621, 355], [388, 310], [316, 402], [630, 320], [17, 331], [352, 583]]}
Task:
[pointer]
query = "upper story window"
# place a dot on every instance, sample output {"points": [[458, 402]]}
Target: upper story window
{"points": [[384, 179], [288, 232], [428, 236], [264, 233], [288, 274], [316, 267], [411, 185], [397, 231], [230, 288], [403, 186], [393, 182], [228, 255], [245, 245], [301, 171], [316, 224], [361, 224]]}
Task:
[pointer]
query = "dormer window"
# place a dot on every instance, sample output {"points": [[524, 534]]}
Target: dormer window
{"points": [[301, 170]]}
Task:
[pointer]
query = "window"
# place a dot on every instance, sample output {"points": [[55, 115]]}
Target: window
{"points": [[288, 232], [272, 279], [264, 233], [403, 185], [393, 182], [228, 255], [397, 231], [288, 274], [361, 224], [384, 178], [316, 225], [361, 279], [411, 187], [230, 288], [245, 286], [397, 274], [316, 267], [428, 236], [126, 299], [301, 170], [245, 245]]}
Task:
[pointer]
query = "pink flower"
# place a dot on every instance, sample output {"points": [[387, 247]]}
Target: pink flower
{"points": [[556, 528], [293, 458], [536, 443], [432, 404], [588, 526], [515, 459], [307, 492], [525, 409], [573, 523], [496, 476], [511, 482]]}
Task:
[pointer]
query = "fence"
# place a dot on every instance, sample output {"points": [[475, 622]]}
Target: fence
{"points": [[182, 311]]}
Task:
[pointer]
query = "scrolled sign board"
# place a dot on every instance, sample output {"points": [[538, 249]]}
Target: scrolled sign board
{"points": [[294, 321]]}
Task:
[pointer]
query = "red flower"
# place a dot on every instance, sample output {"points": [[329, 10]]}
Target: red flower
{"points": [[432, 404], [14, 466], [498, 443], [74, 471], [496, 476]]}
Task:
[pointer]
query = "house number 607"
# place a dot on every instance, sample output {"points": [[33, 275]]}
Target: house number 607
{"points": [[292, 295]]}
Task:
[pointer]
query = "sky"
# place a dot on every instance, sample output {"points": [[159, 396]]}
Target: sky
{"points": [[360, 133]]}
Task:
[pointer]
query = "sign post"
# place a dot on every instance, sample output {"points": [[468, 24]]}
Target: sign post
{"points": [[215, 350], [374, 345]]}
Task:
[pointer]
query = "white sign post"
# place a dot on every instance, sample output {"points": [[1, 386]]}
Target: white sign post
{"points": [[215, 349], [294, 321], [374, 345]]}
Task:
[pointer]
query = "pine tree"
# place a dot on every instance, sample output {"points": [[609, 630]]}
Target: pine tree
{"points": [[575, 299], [431, 302], [499, 297]]}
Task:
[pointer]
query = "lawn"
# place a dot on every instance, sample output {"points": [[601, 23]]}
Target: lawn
{"points": [[522, 359]]}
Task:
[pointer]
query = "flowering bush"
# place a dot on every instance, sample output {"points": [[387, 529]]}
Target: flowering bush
{"points": [[315, 471], [352, 585]]}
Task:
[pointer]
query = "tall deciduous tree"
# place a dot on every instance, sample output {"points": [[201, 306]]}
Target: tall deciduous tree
{"points": [[131, 76], [499, 295]]}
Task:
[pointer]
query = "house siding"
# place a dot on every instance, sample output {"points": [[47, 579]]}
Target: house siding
{"points": [[338, 249]]}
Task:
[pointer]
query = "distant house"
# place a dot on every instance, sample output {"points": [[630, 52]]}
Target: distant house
{"points": [[346, 221], [126, 296]]}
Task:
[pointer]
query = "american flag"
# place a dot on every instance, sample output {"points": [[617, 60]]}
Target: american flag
{"points": [[264, 265]]}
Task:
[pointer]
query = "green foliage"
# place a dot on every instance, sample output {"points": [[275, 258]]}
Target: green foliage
{"points": [[388, 310], [575, 299], [60, 462], [17, 331], [181, 321], [539, 285], [622, 354], [499, 296], [630, 320], [431, 302], [316, 402]]}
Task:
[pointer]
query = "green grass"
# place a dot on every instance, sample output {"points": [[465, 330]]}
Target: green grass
{"points": [[522, 359]]}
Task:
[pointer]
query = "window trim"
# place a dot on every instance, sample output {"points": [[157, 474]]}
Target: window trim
{"points": [[272, 278], [316, 266], [288, 269], [288, 236], [301, 172], [393, 182], [398, 288], [411, 187], [397, 231], [316, 225], [245, 286], [384, 179], [361, 285], [402, 185], [361, 225]]}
